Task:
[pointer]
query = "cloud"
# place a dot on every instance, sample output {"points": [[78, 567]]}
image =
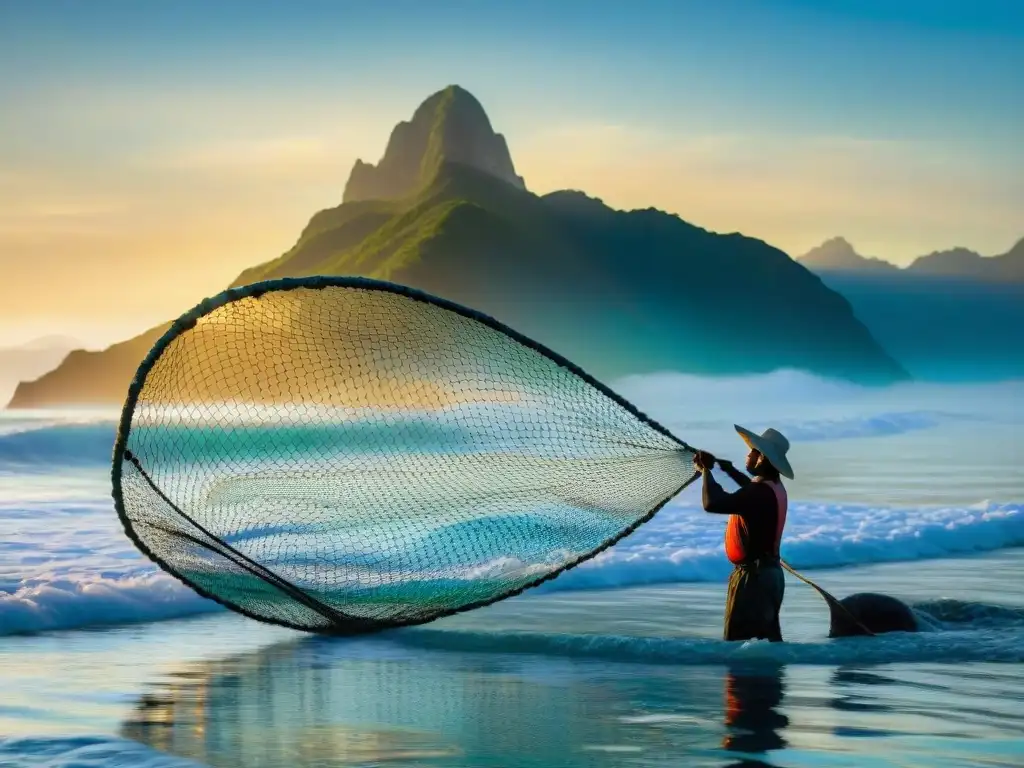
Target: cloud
{"points": [[56, 209], [37, 203], [272, 155]]}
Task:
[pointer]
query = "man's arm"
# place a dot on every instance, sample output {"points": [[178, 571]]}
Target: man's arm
{"points": [[734, 474], [720, 502], [715, 498]]}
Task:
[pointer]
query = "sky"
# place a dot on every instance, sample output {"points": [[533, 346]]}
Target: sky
{"points": [[151, 151]]}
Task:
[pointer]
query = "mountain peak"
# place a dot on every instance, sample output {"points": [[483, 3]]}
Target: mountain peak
{"points": [[448, 126], [952, 261], [838, 255], [837, 242], [455, 97]]}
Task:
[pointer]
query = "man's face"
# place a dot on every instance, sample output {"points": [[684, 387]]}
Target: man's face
{"points": [[753, 459]]}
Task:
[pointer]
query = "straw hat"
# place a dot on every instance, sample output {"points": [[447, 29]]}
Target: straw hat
{"points": [[773, 444]]}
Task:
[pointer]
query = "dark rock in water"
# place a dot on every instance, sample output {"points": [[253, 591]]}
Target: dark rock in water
{"points": [[879, 613]]}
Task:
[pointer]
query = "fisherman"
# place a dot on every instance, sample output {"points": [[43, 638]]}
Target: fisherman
{"points": [[757, 516]]}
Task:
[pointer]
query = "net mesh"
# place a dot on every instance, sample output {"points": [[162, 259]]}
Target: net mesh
{"points": [[344, 455]]}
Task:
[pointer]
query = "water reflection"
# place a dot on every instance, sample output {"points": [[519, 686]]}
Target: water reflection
{"points": [[320, 703], [283, 706], [753, 696], [911, 703], [852, 690]]}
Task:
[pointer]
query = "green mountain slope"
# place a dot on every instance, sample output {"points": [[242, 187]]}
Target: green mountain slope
{"points": [[616, 292]]}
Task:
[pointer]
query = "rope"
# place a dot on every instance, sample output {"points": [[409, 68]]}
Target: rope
{"points": [[833, 603]]}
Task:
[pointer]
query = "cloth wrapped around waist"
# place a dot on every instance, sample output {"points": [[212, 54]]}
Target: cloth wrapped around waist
{"points": [[760, 563]]}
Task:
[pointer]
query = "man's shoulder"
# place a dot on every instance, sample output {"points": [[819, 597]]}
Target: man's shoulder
{"points": [[758, 491]]}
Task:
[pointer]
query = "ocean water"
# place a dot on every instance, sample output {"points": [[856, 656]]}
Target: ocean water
{"points": [[913, 490]]}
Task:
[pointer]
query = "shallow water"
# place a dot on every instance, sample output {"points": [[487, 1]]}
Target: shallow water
{"points": [[599, 678], [910, 491], [904, 474]]}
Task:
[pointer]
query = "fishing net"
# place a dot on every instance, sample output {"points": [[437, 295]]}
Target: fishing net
{"points": [[344, 455]]}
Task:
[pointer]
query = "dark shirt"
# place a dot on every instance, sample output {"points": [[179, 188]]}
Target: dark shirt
{"points": [[756, 506]]}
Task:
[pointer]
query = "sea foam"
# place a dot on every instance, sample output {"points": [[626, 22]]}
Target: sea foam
{"points": [[65, 561]]}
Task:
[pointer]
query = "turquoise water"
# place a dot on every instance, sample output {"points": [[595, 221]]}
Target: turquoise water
{"points": [[390, 515], [911, 491], [499, 688]]}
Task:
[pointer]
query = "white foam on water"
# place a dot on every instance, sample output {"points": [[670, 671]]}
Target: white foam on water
{"points": [[84, 752], [87, 572], [65, 561]]}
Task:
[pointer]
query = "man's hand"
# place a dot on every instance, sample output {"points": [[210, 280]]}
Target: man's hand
{"points": [[704, 461]]}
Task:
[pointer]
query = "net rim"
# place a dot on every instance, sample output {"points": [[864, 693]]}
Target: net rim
{"points": [[188, 320]]}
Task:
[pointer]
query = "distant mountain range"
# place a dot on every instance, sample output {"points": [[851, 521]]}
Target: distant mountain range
{"points": [[32, 359], [951, 315], [838, 255], [615, 291], [47, 343]]}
